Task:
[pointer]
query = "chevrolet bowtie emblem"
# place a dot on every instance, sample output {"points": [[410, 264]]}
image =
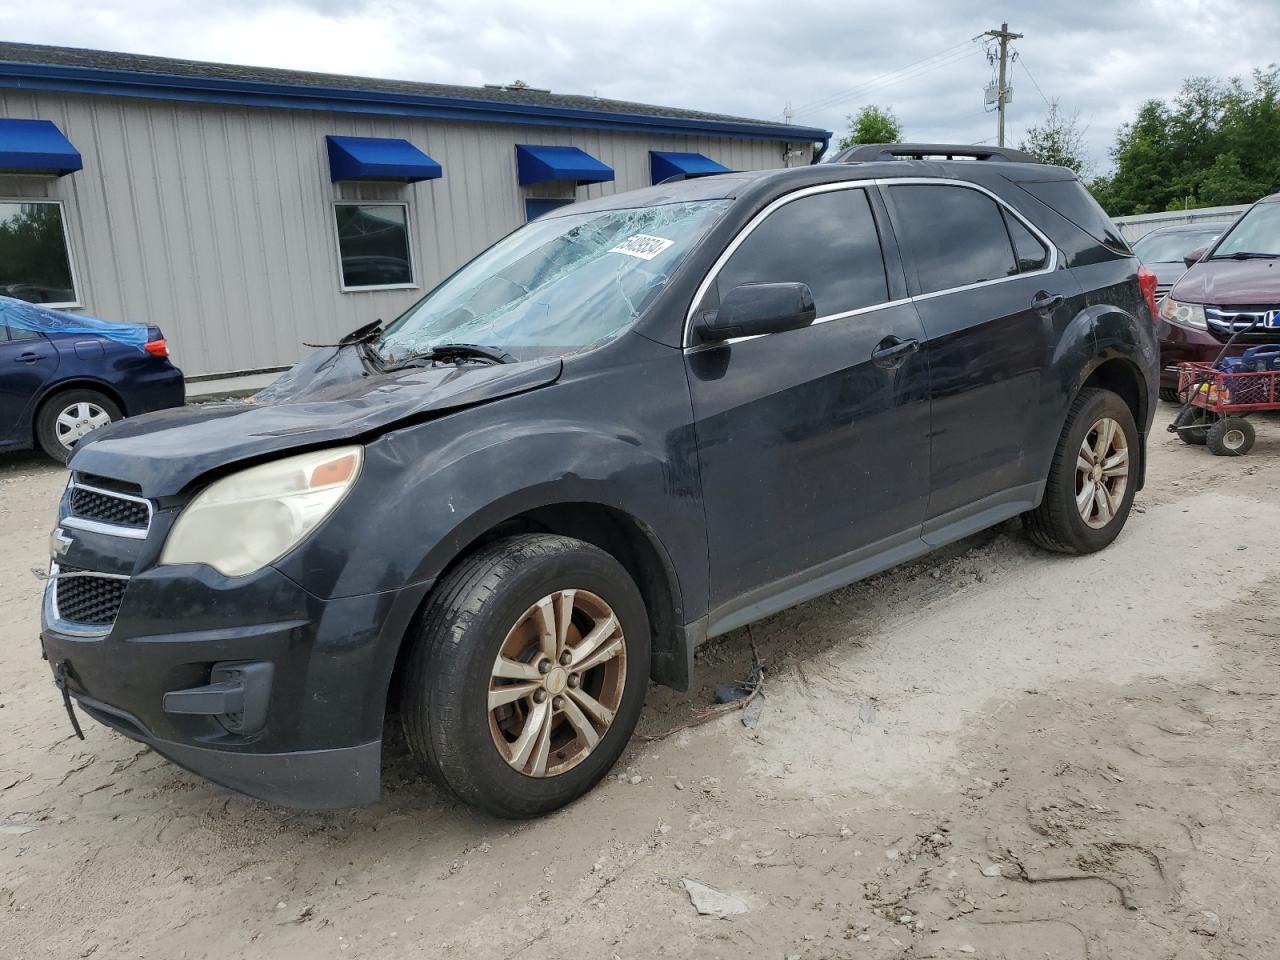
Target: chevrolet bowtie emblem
{"points": [[59, 543]]}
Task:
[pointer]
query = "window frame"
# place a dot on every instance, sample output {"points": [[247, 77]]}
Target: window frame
{"points": [[413, 283], [752, 224], [78, 302], [913, 281]]}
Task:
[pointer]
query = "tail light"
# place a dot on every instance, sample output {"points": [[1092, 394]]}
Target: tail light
{"points": [[1147, 281], [157, 348]]}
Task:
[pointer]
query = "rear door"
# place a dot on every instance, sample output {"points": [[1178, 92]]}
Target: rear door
{"points": [[813, 443], [27, 361], [985, 286]]}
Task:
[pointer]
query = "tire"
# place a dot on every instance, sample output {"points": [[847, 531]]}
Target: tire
{"points": [[1231, 437], [489, 604], [1195, 436], [1059, 523], [58, 437], [1170, 395]]}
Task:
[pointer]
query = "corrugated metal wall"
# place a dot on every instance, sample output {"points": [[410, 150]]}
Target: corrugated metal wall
{"points": [[216, 223], [1138, 225]]}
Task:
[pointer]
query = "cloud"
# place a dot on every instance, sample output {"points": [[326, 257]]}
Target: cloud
{"points": [[748, 58]]}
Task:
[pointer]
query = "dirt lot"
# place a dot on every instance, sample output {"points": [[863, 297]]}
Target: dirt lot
{"points": [[991, 753]]}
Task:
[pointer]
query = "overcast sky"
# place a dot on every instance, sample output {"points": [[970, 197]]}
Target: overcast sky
{"points": [[741, 57]]}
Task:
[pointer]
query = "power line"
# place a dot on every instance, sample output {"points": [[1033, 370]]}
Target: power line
{"points": [[1027, 71], [950, 54]]}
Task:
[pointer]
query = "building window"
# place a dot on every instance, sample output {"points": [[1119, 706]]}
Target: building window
{"points": [[535, 207], [374, 252], [35, 257]]}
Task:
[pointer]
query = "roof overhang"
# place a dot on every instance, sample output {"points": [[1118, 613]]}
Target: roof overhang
{"points": [[222, 90], [379, 158], [36, 147]]}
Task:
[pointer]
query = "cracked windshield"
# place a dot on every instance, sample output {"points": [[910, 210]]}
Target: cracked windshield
{"points": [[556, 286]]}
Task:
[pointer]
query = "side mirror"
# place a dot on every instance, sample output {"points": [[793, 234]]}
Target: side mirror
{"points": [[754, 309], [1192, 258]]}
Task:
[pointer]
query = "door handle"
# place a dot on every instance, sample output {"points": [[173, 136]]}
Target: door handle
{"points": [[1044, 301], [27, 357], [891, 351]]}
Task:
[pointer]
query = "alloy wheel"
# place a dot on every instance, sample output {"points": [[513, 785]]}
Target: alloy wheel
{"points": [[1102, 473], [557, 682], [78, 420]]}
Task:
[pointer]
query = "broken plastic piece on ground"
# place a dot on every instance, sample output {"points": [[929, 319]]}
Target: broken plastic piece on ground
{"points": [[21, 315], [731, 693]]}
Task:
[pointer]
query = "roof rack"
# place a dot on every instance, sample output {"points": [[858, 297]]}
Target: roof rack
{"points": [[867, 152]]}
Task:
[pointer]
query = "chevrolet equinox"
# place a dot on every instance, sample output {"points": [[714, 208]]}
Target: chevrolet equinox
{"points": [[633, 424]]}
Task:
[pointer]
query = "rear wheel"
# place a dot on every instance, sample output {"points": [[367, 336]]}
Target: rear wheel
{"points": [[528, 671], [1093, 477], [67, 418], [1231, 437]]}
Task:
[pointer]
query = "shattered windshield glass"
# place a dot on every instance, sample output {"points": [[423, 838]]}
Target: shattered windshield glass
{"points": [[557, 285]]}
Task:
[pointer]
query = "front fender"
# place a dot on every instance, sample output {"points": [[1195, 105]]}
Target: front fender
{"points": [[429, 490]]}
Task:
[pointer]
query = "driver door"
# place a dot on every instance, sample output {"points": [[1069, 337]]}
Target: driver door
{"points": [[813, 443]]}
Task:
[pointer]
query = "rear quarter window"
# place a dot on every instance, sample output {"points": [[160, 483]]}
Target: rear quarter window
{"points": [[1070, 199]]}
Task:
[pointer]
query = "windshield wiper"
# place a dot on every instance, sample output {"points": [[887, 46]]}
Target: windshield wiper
{"points": [[452, 353], [1248, 255]]}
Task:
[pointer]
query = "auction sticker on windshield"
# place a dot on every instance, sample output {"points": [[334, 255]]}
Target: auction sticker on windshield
{"points": [[643, 246]]}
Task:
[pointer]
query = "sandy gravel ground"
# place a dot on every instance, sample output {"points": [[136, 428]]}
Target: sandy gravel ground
{"points": [[991, 753]]}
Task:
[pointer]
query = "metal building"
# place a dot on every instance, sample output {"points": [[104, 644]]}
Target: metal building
{"points": [[247, 210]]}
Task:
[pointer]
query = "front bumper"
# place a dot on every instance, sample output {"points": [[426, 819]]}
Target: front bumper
{"points": [[1182, 344], [320, 744]]}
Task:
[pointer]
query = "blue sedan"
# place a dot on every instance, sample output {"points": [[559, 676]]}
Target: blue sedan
{"points": [[63, 376]]}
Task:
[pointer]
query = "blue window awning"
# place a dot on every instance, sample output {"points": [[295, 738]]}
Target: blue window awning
{"points": [[36, 146], [665, 166], [539, 164], [379, 158]]}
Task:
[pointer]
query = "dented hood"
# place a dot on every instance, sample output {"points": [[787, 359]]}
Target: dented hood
{"points": [[332, 396]]}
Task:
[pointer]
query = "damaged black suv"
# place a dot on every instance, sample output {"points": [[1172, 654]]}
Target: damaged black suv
{"points": [[629, 426]]}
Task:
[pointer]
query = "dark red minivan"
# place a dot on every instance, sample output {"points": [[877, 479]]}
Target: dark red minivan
{"points": [[1233, 286]]}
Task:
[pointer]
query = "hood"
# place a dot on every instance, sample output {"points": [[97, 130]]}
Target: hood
{"points": [[1230, 283], [328, 398]]}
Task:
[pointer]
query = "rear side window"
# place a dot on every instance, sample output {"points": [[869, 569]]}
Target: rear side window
{"points": [[1031, 253], [955, 236], [827, 240]]}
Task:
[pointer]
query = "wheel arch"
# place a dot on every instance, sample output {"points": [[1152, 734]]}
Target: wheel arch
{"points": [[630, 541]]}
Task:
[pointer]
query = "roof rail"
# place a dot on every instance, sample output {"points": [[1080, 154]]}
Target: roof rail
{"points": [[867, 152]]}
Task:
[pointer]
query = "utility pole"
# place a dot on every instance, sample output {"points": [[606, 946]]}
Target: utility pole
{"points": [[1002, 90]]}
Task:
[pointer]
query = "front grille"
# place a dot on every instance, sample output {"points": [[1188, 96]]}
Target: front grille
{"points": [[1225, 321], [103, 507], [87, 599]]}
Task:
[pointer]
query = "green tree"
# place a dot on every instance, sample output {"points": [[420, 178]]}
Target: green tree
{"points": [[872, 124], [1217, 143], [1057, 139]]}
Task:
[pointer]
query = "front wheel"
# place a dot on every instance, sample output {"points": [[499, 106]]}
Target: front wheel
{"points": [[527, 674], [1093, 478]]}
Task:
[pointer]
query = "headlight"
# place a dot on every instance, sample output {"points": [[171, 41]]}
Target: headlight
{"points": [[1183, 314], [244, 521]]}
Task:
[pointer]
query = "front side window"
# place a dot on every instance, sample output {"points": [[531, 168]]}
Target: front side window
{"points": [[956, 236], [373, 245], [1256, 234], [559, 284], [826, 240], [35, 262]]}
